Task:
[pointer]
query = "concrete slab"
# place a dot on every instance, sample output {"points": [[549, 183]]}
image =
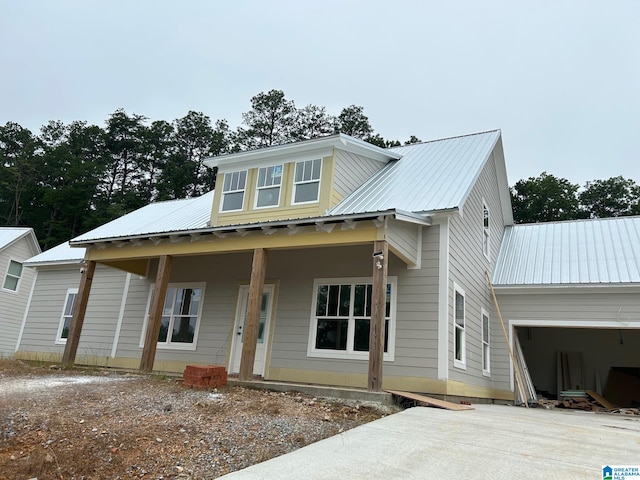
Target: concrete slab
{"points": [[492, 441]]}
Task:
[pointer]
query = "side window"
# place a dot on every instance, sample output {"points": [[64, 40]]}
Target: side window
{"points": [[306, 183], [233, 191], [67, 314], [485, 230], [486, 344], [12, 278], [459, 333], [268, 186]]}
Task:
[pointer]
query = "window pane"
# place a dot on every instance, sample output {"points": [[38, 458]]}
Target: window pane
{"points": [[227, 182], [316, 169], [184, 328], [66, 327], [164, 329], [345, 298], [232, 201], [242, 180], [299, 171], [368, 304], [361, 339], [15, 269], [307, 171], [268, 197], [459, 306], [306, 192], [459, 337], [334, 291], [68, 308], [331, 334], [262, 173], [321, 300], [11, 283], [387, 308], [168, 301], [485, 329], [360, 297]]}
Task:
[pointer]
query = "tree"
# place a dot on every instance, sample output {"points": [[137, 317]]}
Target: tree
{"points": [[614, 197], [412, 139], [313, 121], [544, 199], [270, 121], [353, 122]]}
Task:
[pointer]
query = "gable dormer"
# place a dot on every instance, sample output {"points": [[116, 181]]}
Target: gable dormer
{"points": [[298, 180]]}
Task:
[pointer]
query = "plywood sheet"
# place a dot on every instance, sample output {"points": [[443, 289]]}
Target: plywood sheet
{"points": [[434, 402]]}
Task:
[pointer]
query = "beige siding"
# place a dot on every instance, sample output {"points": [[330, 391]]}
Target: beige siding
{"points": [[404, 239], [351, 171], [13, 304], [468, 266]]}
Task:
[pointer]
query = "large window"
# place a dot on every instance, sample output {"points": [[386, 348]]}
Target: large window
{"points": [[12, 278], [486, 344], [459, 348], [67, 314], [341, 319], [268, 186], [180, 317], [233, 191], [485, 230], [306, 184]]}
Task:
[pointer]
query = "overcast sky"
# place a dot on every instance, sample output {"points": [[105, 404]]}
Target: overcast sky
{"points": [[561, 79]]}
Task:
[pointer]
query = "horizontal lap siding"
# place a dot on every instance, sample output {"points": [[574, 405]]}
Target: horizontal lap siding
{"points": [[468, 267], [352, 170], [404, 237], [13, 304]]}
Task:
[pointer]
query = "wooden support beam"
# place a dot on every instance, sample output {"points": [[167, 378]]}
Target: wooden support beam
{"points": [[79, 310], [378, 308], [252, 324], [155, 314]]}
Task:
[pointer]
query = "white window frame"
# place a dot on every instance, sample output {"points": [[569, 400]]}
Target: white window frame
{"points": [[267, 186], [168, 345], [486, 345], [63, 315], [459, 362], [228, 190], [306, 182], [486, 231], [7, 275], [350, 353]]}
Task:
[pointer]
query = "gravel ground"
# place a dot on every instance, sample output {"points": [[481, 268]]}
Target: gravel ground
{"points": [[61, 425]]}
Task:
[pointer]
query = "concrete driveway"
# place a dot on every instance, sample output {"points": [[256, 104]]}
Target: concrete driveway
{"points": [[492, 441]]}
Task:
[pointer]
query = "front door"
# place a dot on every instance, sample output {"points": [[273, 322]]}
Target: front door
{"points": [[263, 330]]}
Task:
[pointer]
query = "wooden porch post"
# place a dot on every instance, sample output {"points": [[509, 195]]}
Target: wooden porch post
{"points": [[378, 308], [155, 314], [79, 310], [252, 323]]}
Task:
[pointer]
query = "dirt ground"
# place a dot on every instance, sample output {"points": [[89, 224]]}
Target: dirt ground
{"points": [[95, 425]]}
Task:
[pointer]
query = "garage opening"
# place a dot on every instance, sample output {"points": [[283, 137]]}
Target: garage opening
{"points": [[604, 360]]}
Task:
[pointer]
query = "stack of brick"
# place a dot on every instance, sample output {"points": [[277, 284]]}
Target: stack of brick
{"points": [[204, 377]]}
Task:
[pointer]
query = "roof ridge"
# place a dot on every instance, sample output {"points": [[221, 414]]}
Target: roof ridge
{"points": [[577, 220], [446, 138]]}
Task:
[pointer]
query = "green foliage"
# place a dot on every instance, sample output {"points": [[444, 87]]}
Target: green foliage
{"points": [[614, 197], [353, 122], [544, 199]]}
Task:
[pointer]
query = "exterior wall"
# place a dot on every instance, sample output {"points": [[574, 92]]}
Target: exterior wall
{"points": [[351, 171], [404, 240], [468, 266], [587, 320], [13, 304]]}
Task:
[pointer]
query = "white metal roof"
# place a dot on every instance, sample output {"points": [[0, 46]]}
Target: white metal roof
{"points": [[601, 251], [159, 217], [430, 176], [58, 255], [8, 235]]}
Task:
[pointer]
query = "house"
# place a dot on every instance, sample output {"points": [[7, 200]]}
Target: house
{"points": [[335, 262], [16, 246]]}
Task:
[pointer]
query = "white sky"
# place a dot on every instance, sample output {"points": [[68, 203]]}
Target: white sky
{"points": [[560, 78]]}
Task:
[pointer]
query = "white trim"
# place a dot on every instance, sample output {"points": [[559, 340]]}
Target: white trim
{"points": [[59, 340], [350, 354], [6, 274], [443, 301], [177, 345], [484, 313], [608, 324], [26, 310], [462, 364], [123, 304], [306, 182]]}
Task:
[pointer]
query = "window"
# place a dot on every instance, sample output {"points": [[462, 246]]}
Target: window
{"points": [[67, 314], [180, 317], [341, 319], [12, 279], [233, 191], [459, 329], [268, 186], [306, 184], [485, 230], [486, 344]]}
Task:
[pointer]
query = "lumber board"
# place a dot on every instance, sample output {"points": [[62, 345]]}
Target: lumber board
{"points": [[601, 400], [433, 402]]}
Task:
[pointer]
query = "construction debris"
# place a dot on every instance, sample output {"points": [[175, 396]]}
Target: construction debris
{"points": [[586, 403]]}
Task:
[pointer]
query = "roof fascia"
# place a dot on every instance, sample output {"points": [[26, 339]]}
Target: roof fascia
{"points": [[35, 246], [316, 147], [584, 289]]}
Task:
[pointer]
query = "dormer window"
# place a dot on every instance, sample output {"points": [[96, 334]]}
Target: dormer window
{"points": [[268, 186], [306, 184], [233, 191]]}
